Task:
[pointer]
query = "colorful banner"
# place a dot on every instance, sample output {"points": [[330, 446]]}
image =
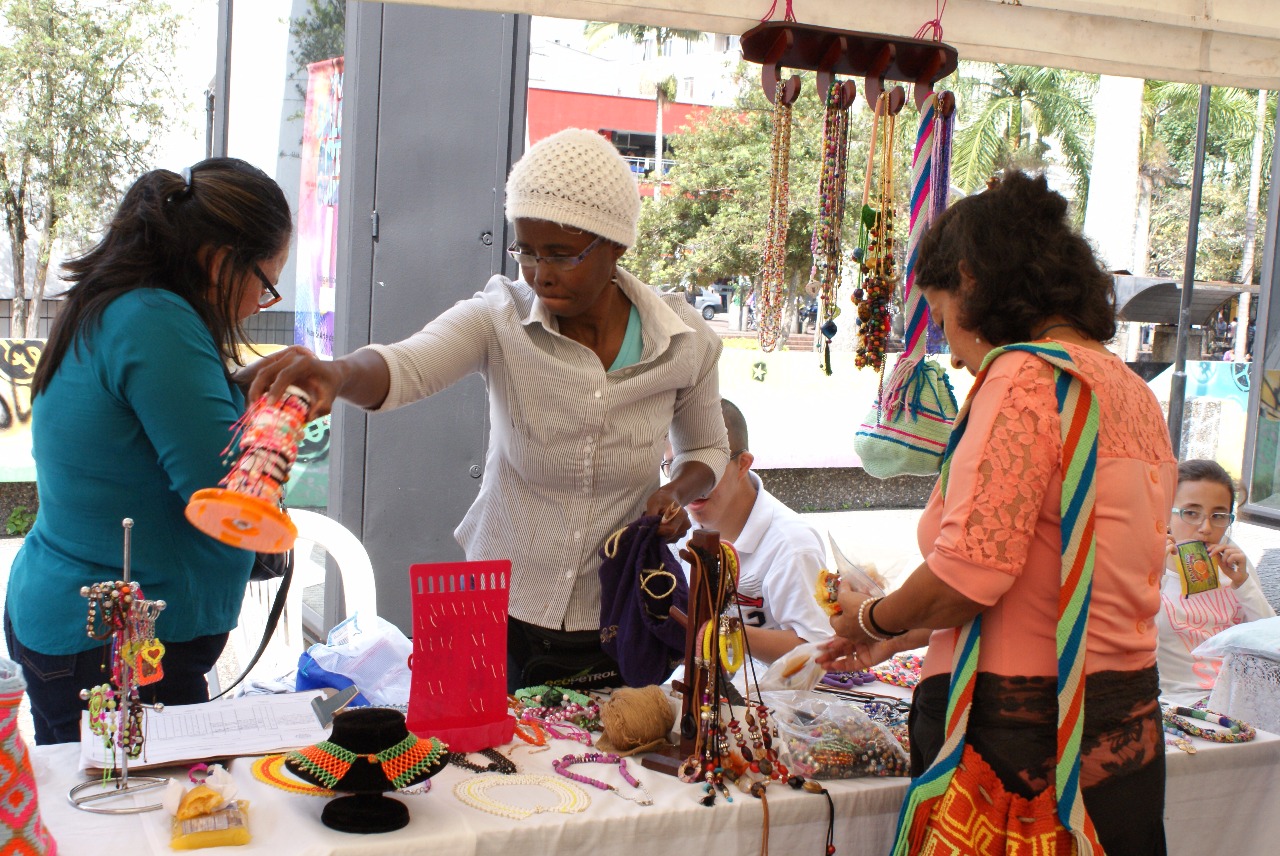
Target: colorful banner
{"points": [[317, 250]]}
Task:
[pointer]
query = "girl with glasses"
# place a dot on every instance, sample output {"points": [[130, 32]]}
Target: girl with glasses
{"points": [[132, 407], [1204, 508]]}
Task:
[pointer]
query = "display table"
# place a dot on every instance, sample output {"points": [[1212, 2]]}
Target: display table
{"points": [[1224, 799]]}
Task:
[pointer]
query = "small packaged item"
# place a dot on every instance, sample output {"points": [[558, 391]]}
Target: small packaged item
{"points": [[206, 815], [226, 826], [1197, 571], [827, 738]]}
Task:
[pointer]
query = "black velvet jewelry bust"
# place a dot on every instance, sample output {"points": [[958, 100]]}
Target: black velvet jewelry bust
{"points": [[369, 752]]}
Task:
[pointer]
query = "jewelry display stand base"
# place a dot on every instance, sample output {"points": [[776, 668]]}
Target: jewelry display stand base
{"points": [[365, 813], [665, 760], [83, 794]]}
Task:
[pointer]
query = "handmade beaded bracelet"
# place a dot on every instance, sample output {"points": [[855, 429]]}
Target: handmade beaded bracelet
{"points": [[562, 765], [1237, 731], [473, 792]]}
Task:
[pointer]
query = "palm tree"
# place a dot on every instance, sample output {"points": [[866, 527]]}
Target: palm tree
{"points": [[1022, 111], [664, 88]]}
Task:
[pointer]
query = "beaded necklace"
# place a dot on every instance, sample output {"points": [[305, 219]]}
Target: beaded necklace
{"points": [[562, 765], [498, 763], [269, 769], [878, 265], [474, 792], [829, 225], [1237, 731], [401, 763], [773, 271]]}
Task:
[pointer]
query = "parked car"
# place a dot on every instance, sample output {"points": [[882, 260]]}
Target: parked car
{"points": [[707, 301]]}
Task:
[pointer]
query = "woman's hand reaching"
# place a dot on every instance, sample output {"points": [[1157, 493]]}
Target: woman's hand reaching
{"points": [[675, 520]]}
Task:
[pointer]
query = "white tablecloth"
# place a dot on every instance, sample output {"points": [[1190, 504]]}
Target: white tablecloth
{"points": [[1225, 799]]}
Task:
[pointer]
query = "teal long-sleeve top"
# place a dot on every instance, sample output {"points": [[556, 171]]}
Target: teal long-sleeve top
{"points": [[132, 423]]}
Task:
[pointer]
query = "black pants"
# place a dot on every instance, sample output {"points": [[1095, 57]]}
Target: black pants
{"points": [[565, 658], [54, 681], [1127, 810]]}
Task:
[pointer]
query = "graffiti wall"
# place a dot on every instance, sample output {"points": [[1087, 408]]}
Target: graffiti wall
{"points": [[18, 358], [308, 485], [1217, 400], [316, 283]]}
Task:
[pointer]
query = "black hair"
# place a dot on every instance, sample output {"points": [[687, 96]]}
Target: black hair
{"points": [[1028, 262], [1201, 470], [162, 236]]}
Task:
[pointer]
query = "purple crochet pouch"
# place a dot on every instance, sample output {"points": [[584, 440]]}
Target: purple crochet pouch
{"points": [[640, 581]]}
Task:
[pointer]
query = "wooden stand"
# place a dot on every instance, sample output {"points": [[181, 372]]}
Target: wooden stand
{"points": [[706, 542]]}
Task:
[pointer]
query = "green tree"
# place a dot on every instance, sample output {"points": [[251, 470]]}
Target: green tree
{"points": [[711, 224], [1015, 115], [83, 91], [319, 33], [1239, 140]]}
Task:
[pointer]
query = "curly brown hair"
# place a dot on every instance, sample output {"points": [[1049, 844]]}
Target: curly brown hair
{"points": [[1029, 264]]}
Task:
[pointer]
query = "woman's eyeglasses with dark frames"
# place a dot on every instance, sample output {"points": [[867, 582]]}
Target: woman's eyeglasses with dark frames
{"points": [[271, 297]]}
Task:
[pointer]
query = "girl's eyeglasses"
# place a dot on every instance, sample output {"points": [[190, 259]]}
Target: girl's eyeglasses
{"points": [[1195, 517], [270, 296]]}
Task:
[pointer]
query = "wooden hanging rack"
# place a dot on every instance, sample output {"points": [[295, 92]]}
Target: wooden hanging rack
{"points": [[875, 57]]}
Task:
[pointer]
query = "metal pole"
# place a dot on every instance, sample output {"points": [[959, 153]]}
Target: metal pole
{"points": [[222, 81], [1178, 386]]}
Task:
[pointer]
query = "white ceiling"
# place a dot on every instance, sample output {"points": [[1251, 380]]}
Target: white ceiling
{"points": [[1223, 42]]}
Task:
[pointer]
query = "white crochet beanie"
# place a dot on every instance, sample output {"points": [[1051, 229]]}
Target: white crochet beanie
{"points": [[576, 178]]}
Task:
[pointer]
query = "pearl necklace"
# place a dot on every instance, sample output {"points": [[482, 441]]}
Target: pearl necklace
{"points": [[473, 792]]}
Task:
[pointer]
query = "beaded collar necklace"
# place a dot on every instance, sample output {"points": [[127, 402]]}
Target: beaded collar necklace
{"points": [[474, 792], [498, 763], [401, 763], [562, 765]]}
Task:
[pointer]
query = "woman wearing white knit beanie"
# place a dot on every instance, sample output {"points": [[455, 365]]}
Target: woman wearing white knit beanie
{"points": [[588, 370]]}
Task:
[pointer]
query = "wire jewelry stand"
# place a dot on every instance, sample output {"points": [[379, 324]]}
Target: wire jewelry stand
{"points": [[105, 788]]}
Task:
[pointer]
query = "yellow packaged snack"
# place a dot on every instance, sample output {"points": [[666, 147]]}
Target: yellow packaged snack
{"points": [[226, 826], [201, 799]]}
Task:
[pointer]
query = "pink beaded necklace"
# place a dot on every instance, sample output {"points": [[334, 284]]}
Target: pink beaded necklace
{"points": [[562, 765]]}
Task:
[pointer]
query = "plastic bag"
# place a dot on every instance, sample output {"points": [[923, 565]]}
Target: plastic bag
{"points": [[794, 670], [826, 738], [1255, 637], [369, 651]]}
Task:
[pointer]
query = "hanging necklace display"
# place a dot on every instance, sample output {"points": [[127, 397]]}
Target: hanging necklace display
{"points": [[773, 271], [118, 611], [827, 229], [907, 429], [245, 512], [879, 265]]}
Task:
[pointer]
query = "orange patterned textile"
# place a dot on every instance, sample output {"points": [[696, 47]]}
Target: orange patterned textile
{"points": [[976, 816]]}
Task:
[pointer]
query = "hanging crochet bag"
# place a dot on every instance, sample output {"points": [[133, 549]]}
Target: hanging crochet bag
{"points": [[640, 581], [907, 429], [20, 824], [960, 801]]}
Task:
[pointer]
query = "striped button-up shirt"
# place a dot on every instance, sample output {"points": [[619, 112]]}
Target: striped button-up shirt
{"points": [[573, 450]]}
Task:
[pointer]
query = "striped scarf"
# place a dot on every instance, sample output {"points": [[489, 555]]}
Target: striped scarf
{"points": [[1078, 407]]}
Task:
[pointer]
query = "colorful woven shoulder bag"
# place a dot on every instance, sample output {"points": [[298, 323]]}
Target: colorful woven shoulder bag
{"points": [[959, 805], [907, 429]]}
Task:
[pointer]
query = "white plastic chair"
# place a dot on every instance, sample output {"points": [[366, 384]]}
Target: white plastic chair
{"points": [[288, 642]]}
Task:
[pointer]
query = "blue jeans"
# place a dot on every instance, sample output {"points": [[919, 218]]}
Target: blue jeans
{"points": [[54, 681]]}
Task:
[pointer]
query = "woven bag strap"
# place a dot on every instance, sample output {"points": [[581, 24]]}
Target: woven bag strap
{"points": [[1078, 407], [916, 310]]}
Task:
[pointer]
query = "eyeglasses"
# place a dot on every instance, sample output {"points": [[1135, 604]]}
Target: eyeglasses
{"points": [[667, 462], [1195, 517], [558, 262], [272, 297]]}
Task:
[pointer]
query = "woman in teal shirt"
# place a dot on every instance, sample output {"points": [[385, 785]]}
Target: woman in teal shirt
{"points": [[133, 406]]}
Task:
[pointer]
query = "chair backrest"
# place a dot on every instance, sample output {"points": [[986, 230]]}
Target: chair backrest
{"points": [[288, 642]]}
